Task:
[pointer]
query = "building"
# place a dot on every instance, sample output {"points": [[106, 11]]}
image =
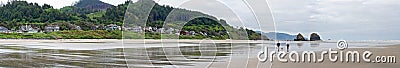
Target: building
{"points": [[203, 33], [27, 29], [95, 27], [137, 29], [160, 30], [169, 31], [184, 33], [149, 29], [3, 29], [192, 33], [78, 28], [51, 28], [113, 27]]}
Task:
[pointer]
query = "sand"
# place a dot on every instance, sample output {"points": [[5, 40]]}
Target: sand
{"points": [[146, 41], [392, 50], [252, 62]]}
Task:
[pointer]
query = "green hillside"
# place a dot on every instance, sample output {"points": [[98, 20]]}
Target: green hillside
{"points": [[93, 13]]}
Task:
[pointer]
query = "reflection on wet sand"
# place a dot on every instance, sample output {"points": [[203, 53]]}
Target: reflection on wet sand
{"points": [[113, 54]]}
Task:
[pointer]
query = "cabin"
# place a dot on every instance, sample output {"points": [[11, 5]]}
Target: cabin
{"points": [[137, 29], [52, 28], [192, 33], [27, 29], [3, 29], [149, 29], [160, 30], [75, 28], [169, 31], [203, 33], [78, 28], [113, 27], [184, 32]]}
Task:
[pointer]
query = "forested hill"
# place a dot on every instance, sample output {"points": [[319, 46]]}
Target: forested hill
{"points": [[17, 12], [87, 7], [22, 12], [83, 14], [216, 28], [93, 5], [14, 13]]}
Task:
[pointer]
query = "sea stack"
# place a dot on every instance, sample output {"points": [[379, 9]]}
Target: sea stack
{"points": [[315, 37], [300, 38]]}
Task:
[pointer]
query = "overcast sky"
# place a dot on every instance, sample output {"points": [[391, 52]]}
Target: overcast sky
{"points": [[332, 19]]}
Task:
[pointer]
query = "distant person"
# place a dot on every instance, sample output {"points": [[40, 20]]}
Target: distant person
{"points": [[278, 45], [287, 47]]}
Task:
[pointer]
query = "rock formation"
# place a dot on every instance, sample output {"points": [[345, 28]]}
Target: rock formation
{"points": [[300, 38], [315, 37]]}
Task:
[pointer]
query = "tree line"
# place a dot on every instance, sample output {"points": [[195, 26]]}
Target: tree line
{"points": [[16, 13]]}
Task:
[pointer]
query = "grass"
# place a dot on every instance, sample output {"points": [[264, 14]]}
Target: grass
{"points": [[76, 34]]}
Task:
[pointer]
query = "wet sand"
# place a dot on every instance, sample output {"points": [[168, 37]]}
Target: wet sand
{"points": [[391, 50], [141, 41], [252, 62]]}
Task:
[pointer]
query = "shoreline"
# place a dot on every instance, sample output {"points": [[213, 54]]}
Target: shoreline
{"points": [[151, 40], [191, 40], [177, 41]]}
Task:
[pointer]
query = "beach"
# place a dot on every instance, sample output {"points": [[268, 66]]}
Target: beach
{"points": [[389, 50], [181, 53], [147, 41]]}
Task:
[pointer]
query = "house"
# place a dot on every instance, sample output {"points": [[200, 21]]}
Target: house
{"points": [[51, 28], [27, 29], [137, 29], [78, 28], [203, 33], [113, 27], [160, 30], [149, 29], [96, 27], [192, 33], [169, 31], [74, 27], [155, 29], [3, 29], [184, 33]]}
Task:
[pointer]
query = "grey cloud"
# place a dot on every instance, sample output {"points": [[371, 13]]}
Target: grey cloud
{"points": [[340, 19]]}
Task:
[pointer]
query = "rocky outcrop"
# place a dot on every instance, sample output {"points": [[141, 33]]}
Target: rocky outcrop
{"points": [[315, 37], [300, 38]]}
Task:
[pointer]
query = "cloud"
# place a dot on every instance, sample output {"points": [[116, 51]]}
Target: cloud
{"points": [[340, 19]]}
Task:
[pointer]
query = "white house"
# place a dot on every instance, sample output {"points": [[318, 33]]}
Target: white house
{"points": [[169, 31], [52, 28], [137, 29], [160, 30], [192, 32], [28, 29], [113, 27], [78, 28], [149, 29]]}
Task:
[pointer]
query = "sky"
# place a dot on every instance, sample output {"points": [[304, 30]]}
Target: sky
{"points": [[332, 19], [340, 19]]}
